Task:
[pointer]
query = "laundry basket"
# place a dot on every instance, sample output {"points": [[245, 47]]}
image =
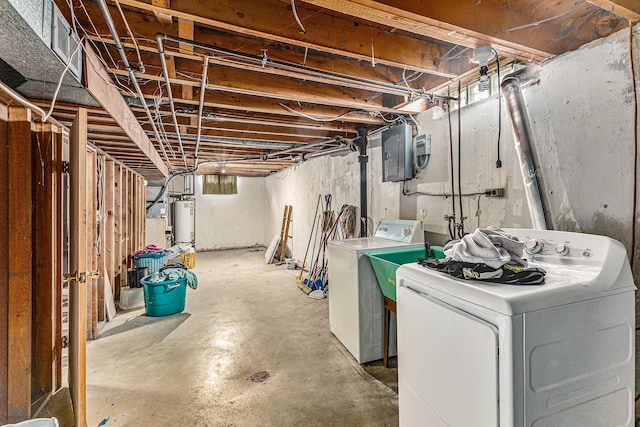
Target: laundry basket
{"points": [[164, 298], [154, 261]]}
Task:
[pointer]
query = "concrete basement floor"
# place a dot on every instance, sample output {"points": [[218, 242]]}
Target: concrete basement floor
{"points": [[195, 368]]}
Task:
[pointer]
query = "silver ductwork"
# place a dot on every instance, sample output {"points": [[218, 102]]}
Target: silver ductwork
{"points": [[522, 137]]}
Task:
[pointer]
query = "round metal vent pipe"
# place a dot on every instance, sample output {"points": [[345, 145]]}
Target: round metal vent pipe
{"points": [[522, 137]]}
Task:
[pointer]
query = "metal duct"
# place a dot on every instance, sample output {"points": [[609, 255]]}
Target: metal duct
{"points": [[522, 137]]}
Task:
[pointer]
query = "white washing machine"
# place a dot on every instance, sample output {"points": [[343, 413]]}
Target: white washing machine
{"points": [[559, 354], [356, 305]]}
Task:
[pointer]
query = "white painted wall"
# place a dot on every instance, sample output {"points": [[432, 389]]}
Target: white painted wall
{"points": [[582, 125], [232, 220], [154, 232]]}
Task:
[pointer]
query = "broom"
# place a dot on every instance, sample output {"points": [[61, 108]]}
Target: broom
{"points": [[315, 216]]}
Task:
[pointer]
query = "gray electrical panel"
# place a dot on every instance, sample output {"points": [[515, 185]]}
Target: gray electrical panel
{"points": [[397, 153]]}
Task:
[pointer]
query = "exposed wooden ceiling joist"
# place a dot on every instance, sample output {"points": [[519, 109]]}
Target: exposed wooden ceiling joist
{"points": [[628, 9]]}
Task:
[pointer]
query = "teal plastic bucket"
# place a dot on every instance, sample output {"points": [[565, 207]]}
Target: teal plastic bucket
{"points": [[164, 298], [385, 265]]}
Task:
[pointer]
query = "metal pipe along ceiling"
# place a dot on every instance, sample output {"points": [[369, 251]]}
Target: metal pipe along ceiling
{"points": [[165, 71], [116, 38], [203, 88], [520, 124]]}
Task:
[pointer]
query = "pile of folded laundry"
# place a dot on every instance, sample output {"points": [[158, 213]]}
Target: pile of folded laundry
{"points": [[488, 254]]}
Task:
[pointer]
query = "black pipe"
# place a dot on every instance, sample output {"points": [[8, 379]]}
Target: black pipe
{"points": [[361, 143]]}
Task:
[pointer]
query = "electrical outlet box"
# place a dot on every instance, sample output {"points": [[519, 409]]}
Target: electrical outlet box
{"points": [[494, 192]]}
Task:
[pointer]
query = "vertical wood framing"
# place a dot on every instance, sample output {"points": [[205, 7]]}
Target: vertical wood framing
{"points": [[102, 252], [20, 235], [4, 261], [109, 220], [59, 250], [78, 264], [125, 229], [45, 259], [92, 238], [117, 215]]}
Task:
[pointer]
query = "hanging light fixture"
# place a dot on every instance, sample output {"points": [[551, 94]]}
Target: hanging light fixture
{"points": [[481, 56]]}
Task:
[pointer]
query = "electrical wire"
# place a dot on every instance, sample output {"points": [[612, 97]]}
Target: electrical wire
{"points": [[295, 14], [499, 162], [453, 200], [64, 72], [133, 38], [478, 211], [316, 119]]}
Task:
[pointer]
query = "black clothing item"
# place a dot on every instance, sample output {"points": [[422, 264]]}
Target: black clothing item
{"points": [[506, 274]]}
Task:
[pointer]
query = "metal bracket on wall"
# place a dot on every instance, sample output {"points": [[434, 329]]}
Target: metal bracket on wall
{"points": [[80, 277]]}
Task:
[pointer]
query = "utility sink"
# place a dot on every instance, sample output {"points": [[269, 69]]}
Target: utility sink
{"points": [[385, 265]]}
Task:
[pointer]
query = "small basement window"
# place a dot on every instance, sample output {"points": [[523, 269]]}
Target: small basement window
{"points": [[219, 184]]}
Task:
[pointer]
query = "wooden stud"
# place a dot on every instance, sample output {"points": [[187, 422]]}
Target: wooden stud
{"points": [[102, 253], [20, 265], [4, 262], [109, 220], [44, 260], [63, 138], [118, 235], [78, 263], [92, 262]]}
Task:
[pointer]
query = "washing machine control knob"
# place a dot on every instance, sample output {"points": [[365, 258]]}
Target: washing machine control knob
{"points": [[533, 246], [405, 231], [562, 249]]}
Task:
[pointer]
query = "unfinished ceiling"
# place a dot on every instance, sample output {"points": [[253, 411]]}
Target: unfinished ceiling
{"points": [[254, 86]]}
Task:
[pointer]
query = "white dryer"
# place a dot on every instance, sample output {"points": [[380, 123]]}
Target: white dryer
{"points": [[356, 305], [559, 354]]}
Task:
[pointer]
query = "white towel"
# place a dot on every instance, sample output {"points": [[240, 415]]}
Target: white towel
{"points": [[491, 246]]}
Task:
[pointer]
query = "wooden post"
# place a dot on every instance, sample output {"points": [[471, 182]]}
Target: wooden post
{"points": [[92, 261], [118, 236], [20, 233], [125, 226], [101, 242], [78, 264], [4, 262], [44, 257], [59, 248], [109, 219]]}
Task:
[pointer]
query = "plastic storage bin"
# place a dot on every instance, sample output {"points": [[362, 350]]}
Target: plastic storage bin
{"points": [[152, 260], [164, 298], [385, 265]]}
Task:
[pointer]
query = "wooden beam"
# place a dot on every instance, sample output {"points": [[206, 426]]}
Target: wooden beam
{"points": [[100, 86], [628, 9], [247, 83], [185, 31], [163, 18], [273, 22], [20, 265], [415, 23]]}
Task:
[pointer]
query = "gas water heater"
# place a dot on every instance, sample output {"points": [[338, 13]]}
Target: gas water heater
{"points": [[184, 222]]}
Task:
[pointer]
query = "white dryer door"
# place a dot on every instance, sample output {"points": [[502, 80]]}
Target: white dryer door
{"points": [[447, 365]]}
